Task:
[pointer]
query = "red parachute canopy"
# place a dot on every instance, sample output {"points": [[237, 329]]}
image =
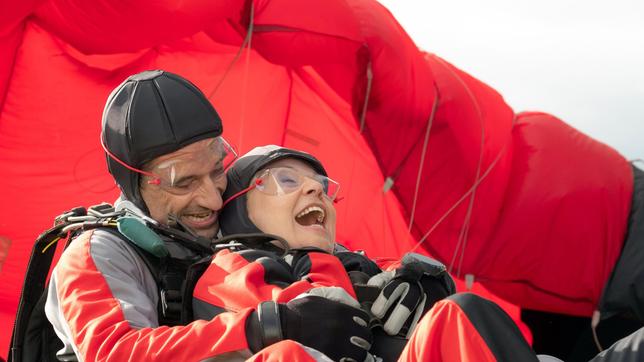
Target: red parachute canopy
{"points": [[425, 153]]}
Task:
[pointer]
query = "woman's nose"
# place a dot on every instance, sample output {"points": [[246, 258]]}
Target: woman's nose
{"points": [[312, 187]]}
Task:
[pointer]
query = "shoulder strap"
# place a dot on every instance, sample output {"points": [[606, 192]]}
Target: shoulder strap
{"points": [[66, 226], [33, 338], [33, 287]]}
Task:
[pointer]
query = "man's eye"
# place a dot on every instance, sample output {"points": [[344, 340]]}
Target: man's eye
{"points": [[217, 172], [185, 184]]}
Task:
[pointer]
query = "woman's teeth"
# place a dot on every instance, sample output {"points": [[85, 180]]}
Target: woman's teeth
{"points": [[311, 215]]}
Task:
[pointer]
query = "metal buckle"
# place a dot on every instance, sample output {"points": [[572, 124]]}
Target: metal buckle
{"points": [[164, 303]]}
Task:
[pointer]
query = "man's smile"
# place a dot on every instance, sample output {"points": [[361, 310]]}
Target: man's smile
{"points": [[199, 220]]}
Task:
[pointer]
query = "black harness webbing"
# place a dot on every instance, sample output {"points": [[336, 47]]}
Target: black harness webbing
{"points": [[32, 293]]}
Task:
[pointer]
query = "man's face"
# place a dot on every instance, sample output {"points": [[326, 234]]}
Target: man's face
{"points": [[304, 218], [192, 181]]}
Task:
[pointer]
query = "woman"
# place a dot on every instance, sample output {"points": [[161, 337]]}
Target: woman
{"points": [[286, 194]]}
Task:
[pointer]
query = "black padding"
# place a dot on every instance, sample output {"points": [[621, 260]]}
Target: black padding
{"points": [[194, 272], [276, 270], [301, 265], [27, 343], [624, 291], [40, 339], [353, 261], [387, 347], [269, 319], [501, 335], [204, 310]]}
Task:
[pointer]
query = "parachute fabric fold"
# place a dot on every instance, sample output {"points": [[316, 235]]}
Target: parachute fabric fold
{"points": [[416, 143]]}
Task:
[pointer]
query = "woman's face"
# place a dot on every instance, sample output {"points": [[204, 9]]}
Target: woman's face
{"points": [[304, 217]]}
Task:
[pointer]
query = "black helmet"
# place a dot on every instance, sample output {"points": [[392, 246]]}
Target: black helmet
{"points": [[234, 216], [151, 114]]}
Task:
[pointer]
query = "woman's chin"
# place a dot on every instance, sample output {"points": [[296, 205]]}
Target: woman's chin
{"points": [[315, 242]]}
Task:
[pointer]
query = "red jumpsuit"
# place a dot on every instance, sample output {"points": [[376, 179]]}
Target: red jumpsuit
{"points": [[462, 327], [238, 280]]}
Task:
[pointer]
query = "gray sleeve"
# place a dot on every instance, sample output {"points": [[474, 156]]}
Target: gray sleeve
{"points": [[130, 283], [129, 279]]}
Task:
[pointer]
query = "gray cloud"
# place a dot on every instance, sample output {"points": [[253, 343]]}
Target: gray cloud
{"points": [[582, 61]]}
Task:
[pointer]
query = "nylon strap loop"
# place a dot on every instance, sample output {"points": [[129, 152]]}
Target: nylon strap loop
{"points": [[269, 321]]}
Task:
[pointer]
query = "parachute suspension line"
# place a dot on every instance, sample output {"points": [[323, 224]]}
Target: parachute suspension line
{"points": [[430, 122], [467, 193], [389, 181], [365, 105], [289, 103], [462, 239], [248, 42], [249, 34], [363, 115]]}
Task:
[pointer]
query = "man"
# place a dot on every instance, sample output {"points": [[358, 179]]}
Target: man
{"points": [[111, 293]]}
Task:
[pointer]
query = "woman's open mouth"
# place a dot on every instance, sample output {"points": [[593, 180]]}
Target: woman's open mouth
{"points": [[311, 216]]}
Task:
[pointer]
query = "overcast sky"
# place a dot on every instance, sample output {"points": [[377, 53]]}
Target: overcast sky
{"points": [[582, 61]]}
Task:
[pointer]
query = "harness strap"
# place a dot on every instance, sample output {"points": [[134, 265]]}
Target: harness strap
{"points": [[194, 272], [33, 286], [268, 314]]}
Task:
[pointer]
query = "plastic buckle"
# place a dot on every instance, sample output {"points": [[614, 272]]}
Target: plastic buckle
{"points": [[101, 210], [63, 218]]}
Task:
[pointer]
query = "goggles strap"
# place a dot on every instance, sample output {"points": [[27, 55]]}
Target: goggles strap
{"points": [[258, 182], [155, 179]]}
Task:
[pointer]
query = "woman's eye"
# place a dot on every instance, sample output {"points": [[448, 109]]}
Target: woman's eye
{"points": [[325, 185], [287, 180]]}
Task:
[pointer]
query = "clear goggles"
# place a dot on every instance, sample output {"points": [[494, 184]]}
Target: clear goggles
{"points": [[186, 173], [280, 181]]}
